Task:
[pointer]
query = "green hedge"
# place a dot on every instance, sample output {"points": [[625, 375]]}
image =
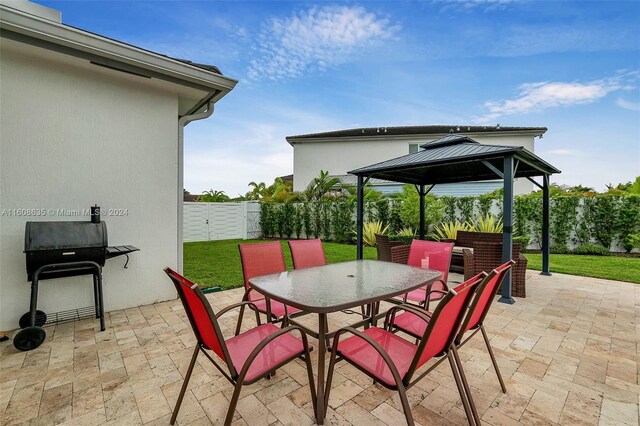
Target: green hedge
{"points": [[574, 220]]}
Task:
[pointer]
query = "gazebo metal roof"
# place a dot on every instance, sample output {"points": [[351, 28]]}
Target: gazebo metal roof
{"points": [[456, 158]]}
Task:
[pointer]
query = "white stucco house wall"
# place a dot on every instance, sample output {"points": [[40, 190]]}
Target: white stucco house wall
{"points": [[342, 150], [87, 120]]}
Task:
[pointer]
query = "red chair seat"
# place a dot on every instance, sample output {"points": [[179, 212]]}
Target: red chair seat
{"points": [[366, 357], [277, 352], [277, 308], [410, 323], [419, 294]]}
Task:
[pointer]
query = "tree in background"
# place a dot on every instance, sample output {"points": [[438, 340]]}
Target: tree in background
{"points": [[212, 196], [410, 208]]}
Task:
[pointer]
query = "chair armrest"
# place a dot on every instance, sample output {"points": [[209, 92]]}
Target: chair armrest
{"points": [[400, 254], [235, 306], [385, 356], [391, 314], [263, 344], [468, 264], [523, 261]]}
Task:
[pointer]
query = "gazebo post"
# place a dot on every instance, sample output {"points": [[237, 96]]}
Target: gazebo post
{"points": [[360, 218], [545, 225], [422, 194], [507, 219]]}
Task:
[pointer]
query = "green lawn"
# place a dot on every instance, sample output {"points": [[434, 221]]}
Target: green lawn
{"points": [[608, 267], [217, 263]]}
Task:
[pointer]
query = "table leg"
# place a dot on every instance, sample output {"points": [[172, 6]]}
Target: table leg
{"points": [[322, 349]]}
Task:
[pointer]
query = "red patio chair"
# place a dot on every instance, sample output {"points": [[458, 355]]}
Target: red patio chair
{"points": [[415, 325], [430, 255], [310, 253], [247, 357], [307, 253], [392, 361], [262, 259]]}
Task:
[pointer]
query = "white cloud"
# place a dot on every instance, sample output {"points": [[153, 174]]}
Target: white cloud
{"points": [[465, 5], [316, 38], [536, 97], [631, 106]]}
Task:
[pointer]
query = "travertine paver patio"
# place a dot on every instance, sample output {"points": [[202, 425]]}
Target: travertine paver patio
{"points": [[569, 354]]}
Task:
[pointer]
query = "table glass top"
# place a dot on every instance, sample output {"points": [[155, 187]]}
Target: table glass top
{"points": [[342, 285]]}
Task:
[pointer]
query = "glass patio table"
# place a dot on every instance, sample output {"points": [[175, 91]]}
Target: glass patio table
{"points": [[336, 287]]}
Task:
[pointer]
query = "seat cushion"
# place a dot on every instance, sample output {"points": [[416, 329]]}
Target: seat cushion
{"points": [[359, 352], [458, 249], [277, 308], [419, 294], [410, 323], [278, 351]]}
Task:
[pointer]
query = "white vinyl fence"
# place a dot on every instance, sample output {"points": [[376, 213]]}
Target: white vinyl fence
{"points": [[221, 221]]}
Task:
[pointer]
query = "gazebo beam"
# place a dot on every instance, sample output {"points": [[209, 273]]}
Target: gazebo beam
{"points": [[360, 218], [507, 220], [545, 225]]}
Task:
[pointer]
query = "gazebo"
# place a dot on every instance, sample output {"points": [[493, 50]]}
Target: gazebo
{"points": [[458, 158]]}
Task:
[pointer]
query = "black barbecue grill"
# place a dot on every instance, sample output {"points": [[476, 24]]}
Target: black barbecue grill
{"points": [[64, 249]]}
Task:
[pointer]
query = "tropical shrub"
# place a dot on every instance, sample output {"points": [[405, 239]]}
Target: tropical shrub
{"points": [[342, 220], [449, 211], [634, 239], [449, 230], [488, 223], [604, 219], [563, 218], [523, 240], [410, 208], [370, 230], [558, 249], [465, 205], [628, 220], [591, 248], [485, 201]]}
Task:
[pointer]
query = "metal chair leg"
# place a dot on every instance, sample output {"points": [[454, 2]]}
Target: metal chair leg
{"points": [[461, 391], [233, 403], [493, 359], [184, 385], [405, 404], [465, 384]]}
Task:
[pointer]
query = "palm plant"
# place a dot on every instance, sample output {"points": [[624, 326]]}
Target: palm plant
{"points": [[449, 230], [369, 231], [487, 223]]}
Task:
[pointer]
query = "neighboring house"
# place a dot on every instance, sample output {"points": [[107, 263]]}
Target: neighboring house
{"points": [[90, 120], [340, 151]]}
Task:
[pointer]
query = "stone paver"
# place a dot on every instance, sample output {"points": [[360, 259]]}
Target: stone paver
{"points": [[569, 354]]}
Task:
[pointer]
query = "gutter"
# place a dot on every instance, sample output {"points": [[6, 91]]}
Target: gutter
{"points": [[182, 122]]}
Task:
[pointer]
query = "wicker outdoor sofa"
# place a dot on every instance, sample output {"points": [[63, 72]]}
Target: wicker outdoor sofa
{"points": [[473, 253]]}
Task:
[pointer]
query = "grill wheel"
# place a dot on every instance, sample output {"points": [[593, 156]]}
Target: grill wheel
{"points": [[25, 320], [29, 338]]}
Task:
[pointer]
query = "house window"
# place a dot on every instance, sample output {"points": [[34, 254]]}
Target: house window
{"points": [[413, 148]]}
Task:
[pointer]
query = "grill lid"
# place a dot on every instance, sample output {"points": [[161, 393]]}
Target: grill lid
{"points": [[61, 235]]}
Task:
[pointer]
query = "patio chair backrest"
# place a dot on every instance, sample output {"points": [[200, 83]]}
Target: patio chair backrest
{"points": [[201, 316], [484, 298], [307, 253], [431, 255], [445, 322], [261, 259]]}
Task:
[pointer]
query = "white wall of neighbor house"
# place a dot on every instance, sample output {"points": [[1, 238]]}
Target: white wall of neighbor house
{"points": [[72, 135], [340, 155]]}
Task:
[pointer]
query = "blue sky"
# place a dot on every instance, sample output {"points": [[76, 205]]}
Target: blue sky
{"points": [[573, 67]]}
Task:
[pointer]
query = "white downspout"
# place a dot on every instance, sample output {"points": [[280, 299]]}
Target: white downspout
{"points": [[182, 122]]}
